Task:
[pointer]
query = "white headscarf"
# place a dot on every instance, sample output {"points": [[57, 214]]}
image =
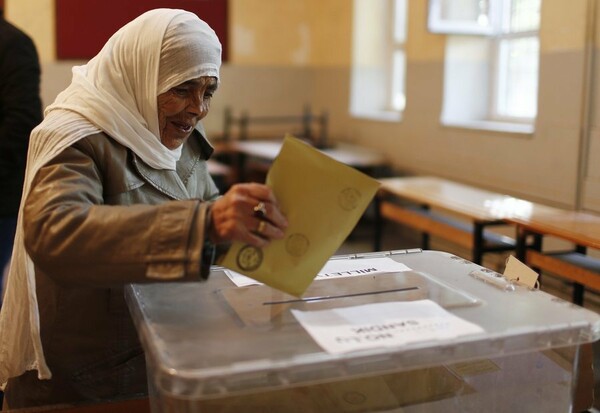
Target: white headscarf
{"points": [[116, 92]]}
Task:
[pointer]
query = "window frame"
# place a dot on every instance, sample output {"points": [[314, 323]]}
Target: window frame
{"points": [[396, 46], [498, 66], [491, 117], [437, 24], [505, 34], [383, 107]]}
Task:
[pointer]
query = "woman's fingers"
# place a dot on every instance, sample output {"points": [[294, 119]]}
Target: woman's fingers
{"points": [[248, 213]]}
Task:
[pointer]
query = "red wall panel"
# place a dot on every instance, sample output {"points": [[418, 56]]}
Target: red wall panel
{"points": [[83, 26]]}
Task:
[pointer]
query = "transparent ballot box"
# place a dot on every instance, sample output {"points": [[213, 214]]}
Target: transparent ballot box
{"points": [[217, 347]]}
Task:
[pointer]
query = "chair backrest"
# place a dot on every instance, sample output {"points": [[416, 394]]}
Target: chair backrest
{"points": [[307, 125]]}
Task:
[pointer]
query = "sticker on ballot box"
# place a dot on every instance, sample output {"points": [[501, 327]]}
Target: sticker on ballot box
{"points": [[337, 268], [389, 324]]}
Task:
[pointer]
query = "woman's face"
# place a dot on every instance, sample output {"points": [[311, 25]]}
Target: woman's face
{"points": [[182, 107]]}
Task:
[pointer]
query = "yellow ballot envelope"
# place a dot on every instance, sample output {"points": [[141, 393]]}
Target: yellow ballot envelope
{"points": [[322, 200]]}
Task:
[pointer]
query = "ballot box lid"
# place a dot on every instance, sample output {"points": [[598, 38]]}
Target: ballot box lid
{"points": [[214, 339]]}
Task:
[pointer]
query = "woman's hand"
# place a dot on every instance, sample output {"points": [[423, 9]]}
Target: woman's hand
{"points": [[248, 213]]}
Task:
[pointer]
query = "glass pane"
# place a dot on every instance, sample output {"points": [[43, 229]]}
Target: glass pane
{"points": [[398, 80], [524, 15], [518, 77], [372, 48], [400, 21], [478, 17], [466, 10]]}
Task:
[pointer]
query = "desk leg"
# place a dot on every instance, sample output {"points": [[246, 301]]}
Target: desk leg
{"points": [[537, 242], [378, 230], [578, 293], [521, 247], [579, 289], [537, 245], [478, 242], [425, 236], [241, 166]]}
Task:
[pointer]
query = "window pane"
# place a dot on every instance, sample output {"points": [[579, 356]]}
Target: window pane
{"points": [[398, 77], [371, 93], [400, 21], [518, 77], [465, 10], [368, 57], [524, 15], [477, 17]]}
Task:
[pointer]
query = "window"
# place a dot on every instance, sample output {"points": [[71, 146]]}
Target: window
{"points": [[491, 79], [517, 69], [463, 16], [377, 87]]}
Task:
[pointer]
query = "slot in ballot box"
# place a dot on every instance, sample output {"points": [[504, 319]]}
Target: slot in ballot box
{"points": [[217, 347]]}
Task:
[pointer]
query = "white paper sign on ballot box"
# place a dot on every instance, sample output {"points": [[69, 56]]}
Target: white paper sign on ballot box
{"points": [[341, 330]]}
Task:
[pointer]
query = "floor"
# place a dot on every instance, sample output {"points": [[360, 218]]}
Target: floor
{"points": [[396, 237]]}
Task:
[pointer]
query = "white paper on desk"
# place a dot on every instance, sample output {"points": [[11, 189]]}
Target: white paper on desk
{"points": [[362, 327], [337, 268]]}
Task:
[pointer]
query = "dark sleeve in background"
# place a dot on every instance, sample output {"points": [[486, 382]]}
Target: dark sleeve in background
{"points": [[20, 111]]}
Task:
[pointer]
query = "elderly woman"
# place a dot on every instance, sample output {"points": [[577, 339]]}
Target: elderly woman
{"points": [[117, 191]]}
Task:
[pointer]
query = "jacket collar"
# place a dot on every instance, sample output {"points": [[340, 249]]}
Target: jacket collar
{"points": [[173, 183]]}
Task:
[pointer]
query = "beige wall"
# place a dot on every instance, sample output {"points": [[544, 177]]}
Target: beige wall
{"points": [[290, 32], [285, 53], [36, 18], [542, 166]]}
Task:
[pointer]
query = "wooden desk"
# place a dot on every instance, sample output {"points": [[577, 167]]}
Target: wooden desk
{"points": [[266, 151], [222, 174], [414, 201], [217, 169], [579, 228]]}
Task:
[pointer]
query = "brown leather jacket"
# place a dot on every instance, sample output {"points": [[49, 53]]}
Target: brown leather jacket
{"points": [[97, 218]]}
